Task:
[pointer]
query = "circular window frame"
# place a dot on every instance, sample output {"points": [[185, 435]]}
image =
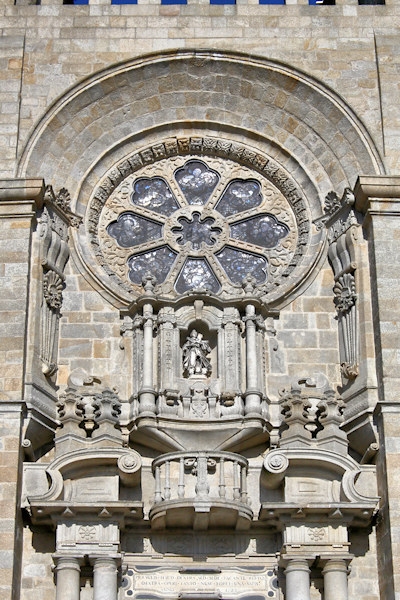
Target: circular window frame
{"points": [[309, 242]]}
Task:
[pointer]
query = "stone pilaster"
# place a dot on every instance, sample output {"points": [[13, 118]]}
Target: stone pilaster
{"points": [[379, 199], [19, 200]]}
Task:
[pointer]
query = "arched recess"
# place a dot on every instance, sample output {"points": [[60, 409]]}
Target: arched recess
{"points": [[282, 113], [278, 107]]}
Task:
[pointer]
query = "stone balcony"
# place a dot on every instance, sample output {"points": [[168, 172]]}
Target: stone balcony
{"points": [[200, 490]]}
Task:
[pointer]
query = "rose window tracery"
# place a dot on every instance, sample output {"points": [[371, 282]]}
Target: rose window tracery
{"points": [[198, 225]]}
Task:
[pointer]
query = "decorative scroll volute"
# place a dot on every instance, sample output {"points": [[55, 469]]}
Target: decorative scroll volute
{"points": [[54, 221], [343, 224]]}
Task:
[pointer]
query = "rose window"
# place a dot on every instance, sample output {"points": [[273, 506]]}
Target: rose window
{"points": [[198, 225]]}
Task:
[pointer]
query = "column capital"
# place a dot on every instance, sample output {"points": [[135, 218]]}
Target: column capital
{"points": [[68, 572], [335, 574], [297, 564], [297, 575], [105, 573], [335, 565], [65, 561], [106, 560]]}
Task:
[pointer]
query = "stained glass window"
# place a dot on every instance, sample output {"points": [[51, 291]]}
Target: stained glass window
{"points": [[158, 262], [263, 230], [132, 230], [197, 228], [238, 264], [195, 275], [154, 194], [196, 181], [239, 196]]}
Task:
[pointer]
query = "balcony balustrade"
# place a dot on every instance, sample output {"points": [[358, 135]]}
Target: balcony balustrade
{"points": [[200, 490]]}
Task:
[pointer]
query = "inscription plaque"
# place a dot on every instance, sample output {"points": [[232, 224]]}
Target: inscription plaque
{"points": [[155, 582]]}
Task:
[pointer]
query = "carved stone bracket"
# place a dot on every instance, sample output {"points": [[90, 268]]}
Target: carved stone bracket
{"points": [[345, 301], [342, 222], [53, 232]]}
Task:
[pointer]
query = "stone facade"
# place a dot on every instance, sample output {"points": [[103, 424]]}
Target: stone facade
{"points": [[199, 301]]}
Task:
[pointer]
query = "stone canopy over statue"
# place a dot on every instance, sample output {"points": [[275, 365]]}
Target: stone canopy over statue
{"points": [[194, 354]]}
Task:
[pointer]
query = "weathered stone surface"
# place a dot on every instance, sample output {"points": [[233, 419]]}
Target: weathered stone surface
{"points": [[248, 458]]}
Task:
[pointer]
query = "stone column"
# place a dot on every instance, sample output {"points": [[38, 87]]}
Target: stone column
{"points": [[68, 574], [105, 574], [147, 397], [252, 395], [297, 579], [335, 580]]}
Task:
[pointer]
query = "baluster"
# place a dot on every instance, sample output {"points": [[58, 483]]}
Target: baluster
{"points": [[222, 486], [236, 488], [167, 485], [181, 484], [243, 484], [157, 495], [202, 487]]}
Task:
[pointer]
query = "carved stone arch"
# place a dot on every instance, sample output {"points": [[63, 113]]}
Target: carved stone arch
{"points": [[188, 316], [130, 98], [285, 117]]}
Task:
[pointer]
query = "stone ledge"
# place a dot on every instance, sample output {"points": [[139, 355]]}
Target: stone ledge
{"points": [[20, 197], [382, 190]]}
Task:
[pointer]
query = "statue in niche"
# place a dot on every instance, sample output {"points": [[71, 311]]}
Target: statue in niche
{"points": [[195, 351]]}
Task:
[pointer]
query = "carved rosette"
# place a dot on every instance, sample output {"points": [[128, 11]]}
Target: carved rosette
{"points": [[345, 293], [52, 289]]}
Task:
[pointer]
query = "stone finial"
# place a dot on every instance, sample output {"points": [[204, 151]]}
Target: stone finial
{"points": [[67, 408], [249, 284], [313, 420], [87, 415], [330, 416], [295, 409], [109, 409], [149, 282]]}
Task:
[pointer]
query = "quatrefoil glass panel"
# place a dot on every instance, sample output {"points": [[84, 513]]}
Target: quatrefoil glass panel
{"points": [[198, 226]]}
